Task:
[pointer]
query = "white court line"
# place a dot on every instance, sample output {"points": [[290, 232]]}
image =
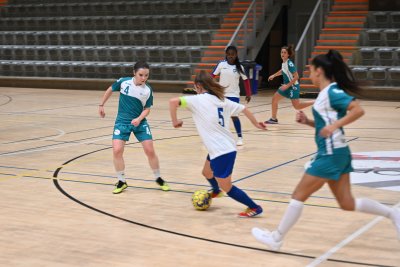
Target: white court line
{"points": [[350, 238]]}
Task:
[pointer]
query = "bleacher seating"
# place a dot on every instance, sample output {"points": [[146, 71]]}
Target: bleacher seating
{"points": [[102, 39], [379, 53]]}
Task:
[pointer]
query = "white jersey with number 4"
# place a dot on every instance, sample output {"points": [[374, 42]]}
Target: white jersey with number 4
{"points": [[212, 116]]}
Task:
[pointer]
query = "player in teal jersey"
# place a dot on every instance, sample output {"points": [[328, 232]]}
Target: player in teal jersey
{"points": [[332, 110], [290, 87], [135, 101]]}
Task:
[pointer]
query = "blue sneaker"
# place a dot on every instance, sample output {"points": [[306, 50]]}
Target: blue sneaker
{"points": [[251, 212], [272, 121]]}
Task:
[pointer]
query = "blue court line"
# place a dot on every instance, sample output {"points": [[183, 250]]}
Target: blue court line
{"points": [[271, 168]]}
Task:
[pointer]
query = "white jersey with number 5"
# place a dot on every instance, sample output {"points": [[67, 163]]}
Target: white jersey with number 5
{"points": [[212, 117]]}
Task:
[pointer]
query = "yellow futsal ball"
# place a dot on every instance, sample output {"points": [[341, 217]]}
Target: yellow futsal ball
{"points": [[201, 200]]}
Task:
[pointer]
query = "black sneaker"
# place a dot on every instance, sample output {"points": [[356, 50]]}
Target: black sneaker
{"points": [[119, 187], [272, 121]]}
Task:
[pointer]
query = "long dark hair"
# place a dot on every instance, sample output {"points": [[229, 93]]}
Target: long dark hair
{"points": [[337, 70], [237, 62], [209, 84]]}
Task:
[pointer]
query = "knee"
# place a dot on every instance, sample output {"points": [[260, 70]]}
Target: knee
{"points": [[150, 153], [117, 152]]}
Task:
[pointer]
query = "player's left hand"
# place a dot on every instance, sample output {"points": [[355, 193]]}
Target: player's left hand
{"points": [[248, 98]]}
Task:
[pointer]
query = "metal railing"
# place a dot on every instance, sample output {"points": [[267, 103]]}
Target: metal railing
{"points": [[312, 30], [244, 36]]}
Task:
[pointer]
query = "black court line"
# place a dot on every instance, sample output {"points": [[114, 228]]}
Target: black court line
{"points": [[60, 189], [9, 99]]}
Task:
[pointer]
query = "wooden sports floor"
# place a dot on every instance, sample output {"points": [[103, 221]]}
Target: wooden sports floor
{"points": [[56, 178]]}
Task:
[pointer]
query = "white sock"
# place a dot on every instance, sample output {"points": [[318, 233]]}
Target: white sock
{"points": [[367, 205], [121, 176], [292, 214], [156, 173]]}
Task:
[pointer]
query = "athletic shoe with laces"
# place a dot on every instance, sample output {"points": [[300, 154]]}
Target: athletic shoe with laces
{"points": [[266, 237], [251, 212], [395, 216], [217, 195], [272, 121], [163, 184], [239, 142], [119, 187]]}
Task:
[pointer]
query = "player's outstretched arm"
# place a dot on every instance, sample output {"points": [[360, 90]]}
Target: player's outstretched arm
{"points": [[250, 116], [174, 103]]}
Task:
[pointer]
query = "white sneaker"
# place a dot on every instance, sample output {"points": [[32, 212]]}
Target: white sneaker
{"points": [[395, 216], [266, 238], [239, 141]]}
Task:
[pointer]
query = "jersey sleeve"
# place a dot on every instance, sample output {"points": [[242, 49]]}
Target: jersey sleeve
{"points": [[217, 69], [116, 86], [292, 67], [242, 74], [339, 100], [186, 101], [235, 108]]}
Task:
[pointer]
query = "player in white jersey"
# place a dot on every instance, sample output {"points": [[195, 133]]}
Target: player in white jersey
{"points": [[211, 111], [230, 71], [332, 110], [135, 101], [290, 87]]}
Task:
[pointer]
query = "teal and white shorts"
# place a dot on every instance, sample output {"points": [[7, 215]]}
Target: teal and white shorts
{"points": [[123, 131], [330, 166], [293, 92]]}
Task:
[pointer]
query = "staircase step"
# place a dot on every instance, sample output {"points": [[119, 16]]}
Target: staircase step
{"points": [[351, 1], [339, 36], [346, 55], [340, 48], [342, 30], [337, 42], [348, 13], [344, 24], [346, 18], [342, 7]]}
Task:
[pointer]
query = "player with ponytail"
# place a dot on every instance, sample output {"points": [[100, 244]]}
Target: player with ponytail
{"points": [[333, 109], [211, 111]]}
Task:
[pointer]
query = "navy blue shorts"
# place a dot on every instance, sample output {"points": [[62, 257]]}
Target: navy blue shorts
{"points": [[222, 166]]}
